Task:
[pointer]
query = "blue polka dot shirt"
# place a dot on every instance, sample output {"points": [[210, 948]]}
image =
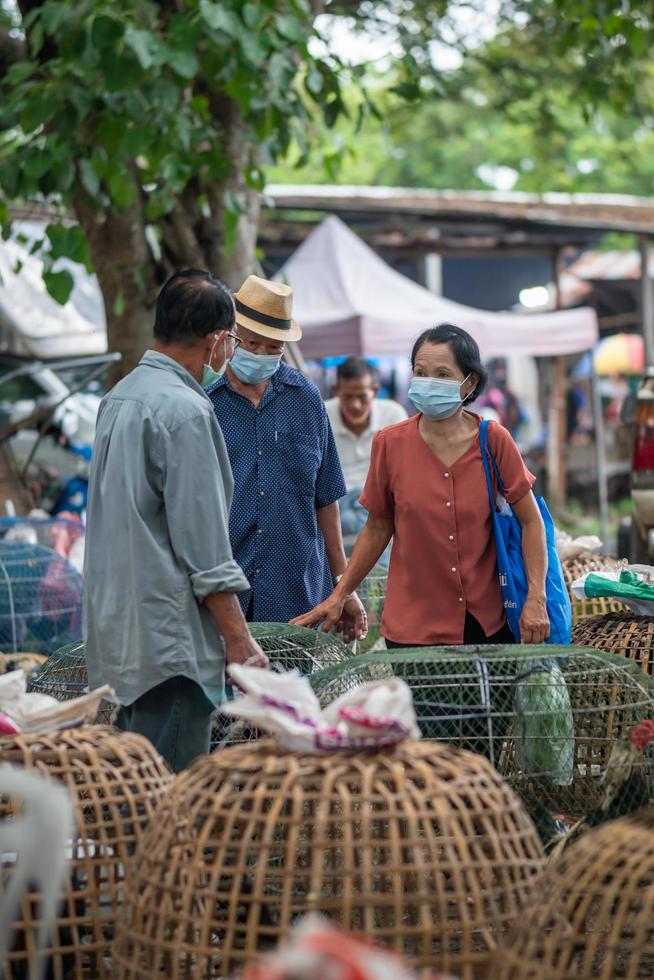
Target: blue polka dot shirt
{"points": [[285, 466]]}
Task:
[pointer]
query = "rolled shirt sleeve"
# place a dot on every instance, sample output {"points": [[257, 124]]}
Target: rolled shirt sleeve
{"points": [[377, 497], [517, 479], [197, 509]]}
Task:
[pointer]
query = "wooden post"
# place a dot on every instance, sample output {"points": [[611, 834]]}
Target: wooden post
{"points": [[646, 301], [556, 417]]}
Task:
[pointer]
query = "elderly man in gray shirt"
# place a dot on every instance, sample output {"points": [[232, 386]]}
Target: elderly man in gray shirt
{"points": [[161, 613]]}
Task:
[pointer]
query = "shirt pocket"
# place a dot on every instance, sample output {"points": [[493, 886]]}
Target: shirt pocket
{"points": [[299, 462]]}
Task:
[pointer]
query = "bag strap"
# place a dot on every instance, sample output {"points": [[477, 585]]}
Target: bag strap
{"points": [[483, 445], [487, 454]]}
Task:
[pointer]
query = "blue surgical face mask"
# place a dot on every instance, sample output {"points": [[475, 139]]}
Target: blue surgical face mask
{"points": [[209, 376], [437, 398], [252, 369]]}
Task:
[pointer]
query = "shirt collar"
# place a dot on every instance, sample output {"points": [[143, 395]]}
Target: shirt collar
{"points": [[155, 359]]}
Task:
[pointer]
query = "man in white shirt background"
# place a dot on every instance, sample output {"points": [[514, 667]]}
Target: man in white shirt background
{"points": [[356, 415]]}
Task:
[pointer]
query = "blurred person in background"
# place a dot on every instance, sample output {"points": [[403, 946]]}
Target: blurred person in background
{"points": [[356, 415]]}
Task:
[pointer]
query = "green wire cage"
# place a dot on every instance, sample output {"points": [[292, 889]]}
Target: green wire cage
{"points": [[64, 676], [546, 717]]}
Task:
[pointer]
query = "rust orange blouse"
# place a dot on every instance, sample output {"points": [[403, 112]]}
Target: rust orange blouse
{"points": [[443, 556]]}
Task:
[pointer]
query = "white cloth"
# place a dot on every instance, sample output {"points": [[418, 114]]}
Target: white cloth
{"points": [[353, 450]]}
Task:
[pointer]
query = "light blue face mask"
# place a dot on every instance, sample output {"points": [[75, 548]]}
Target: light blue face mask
{"points": [[437, 398], [252, 369], [209, 376]]}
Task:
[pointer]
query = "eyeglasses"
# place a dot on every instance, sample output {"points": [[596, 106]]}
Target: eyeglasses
{"points": [[258, 346]]}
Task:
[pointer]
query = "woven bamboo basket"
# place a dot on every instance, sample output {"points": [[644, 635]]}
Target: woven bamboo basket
{"points": [[423, 848], [115, 780], [288, 648], [592, 917], [622, 633], [548, 732], [574, 568]]}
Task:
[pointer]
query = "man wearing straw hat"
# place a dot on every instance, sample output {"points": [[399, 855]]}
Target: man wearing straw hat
{"points": [[161, 613], [284, 523]]}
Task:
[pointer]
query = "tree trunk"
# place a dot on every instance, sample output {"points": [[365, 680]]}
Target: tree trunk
{"points": [[191, 236]]}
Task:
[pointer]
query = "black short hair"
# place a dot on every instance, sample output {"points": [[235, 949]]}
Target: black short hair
{"points": [[192, 304], [354, 368], [465, 350]]}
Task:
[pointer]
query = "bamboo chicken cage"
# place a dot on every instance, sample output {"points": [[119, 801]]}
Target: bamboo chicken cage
{"points": [[592, 915], [115, 780], [623, 633], [547, 717], [574, 568], [423, 848]]}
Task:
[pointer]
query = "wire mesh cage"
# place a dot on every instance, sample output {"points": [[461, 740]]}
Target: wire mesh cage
{"points": [[423, 848], [574, 568], [40, 599], [547, 717], [592, 917], [624, 633], [288, 648], [64, 676], [115, 781]]}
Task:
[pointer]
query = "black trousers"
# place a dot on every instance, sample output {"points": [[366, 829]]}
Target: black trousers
{"points": [[448, 710], [176, 717], [472, 634]]}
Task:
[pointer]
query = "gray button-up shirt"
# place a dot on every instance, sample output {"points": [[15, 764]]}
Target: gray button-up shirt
{"points": [[157, 538]]}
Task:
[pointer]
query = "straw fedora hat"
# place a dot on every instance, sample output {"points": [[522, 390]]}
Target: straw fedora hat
{"points": [[264, 307]]}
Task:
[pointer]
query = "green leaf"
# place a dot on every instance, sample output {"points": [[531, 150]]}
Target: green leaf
{"points": [[106, 32], [119, 303], [68, 241], [122, 189], [59, 285], [291, 28], [183, 62], [314, 82], [219, 19], [20, 72], [251, 15], [143, 44]]}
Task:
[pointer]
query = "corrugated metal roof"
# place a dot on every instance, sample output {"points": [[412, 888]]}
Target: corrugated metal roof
{"points": [[608, 212]]}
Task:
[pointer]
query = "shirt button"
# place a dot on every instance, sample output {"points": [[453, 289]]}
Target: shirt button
{"points": [[460, 598], [453, 568], [448, 504], [257, 571], [259, 530], [451, 537], [446, 474], [262, 493], [260, 452]]}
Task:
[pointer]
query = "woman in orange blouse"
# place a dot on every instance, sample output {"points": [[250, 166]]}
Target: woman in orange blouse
{"points": [[426, 489]]}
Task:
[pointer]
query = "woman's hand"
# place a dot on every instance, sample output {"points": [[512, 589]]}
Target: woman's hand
{"points": [[346, 613], [534, 621]]}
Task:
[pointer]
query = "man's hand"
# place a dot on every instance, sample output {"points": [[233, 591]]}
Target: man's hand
{"points": [[246, 652]]}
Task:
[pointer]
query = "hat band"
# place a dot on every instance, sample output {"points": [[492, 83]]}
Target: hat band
{"points": [[268, 321]]}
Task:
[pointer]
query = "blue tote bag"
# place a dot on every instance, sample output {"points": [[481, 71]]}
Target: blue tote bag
{"points": [[510, 563]]}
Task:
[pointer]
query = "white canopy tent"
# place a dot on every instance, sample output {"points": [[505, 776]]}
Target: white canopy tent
{"points": [[349, 301], [32, 323]]}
